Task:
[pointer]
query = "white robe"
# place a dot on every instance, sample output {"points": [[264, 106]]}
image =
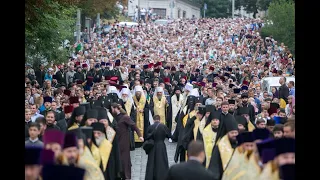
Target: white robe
{"points": [[176, 107]]}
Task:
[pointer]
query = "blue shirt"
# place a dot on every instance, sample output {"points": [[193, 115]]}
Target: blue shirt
{"points": [[292, 91]]}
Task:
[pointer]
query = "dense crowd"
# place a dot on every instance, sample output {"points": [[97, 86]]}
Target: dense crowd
{"points": [[215, 87]]}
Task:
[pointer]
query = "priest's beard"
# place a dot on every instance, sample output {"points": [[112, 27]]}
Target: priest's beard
{"points": [[196, 108], [100, 139], [178, 96], [125, 99], [166, 74], [138, 96], [72, 161], [159, 97], [231, 111]]}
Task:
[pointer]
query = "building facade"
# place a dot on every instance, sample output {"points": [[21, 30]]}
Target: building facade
{"points": [[180, 9]]}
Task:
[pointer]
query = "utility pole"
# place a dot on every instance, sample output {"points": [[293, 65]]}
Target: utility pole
{"points": [[204, 10], [78, 25], [232, 9], [171, 8], [98, 20]]}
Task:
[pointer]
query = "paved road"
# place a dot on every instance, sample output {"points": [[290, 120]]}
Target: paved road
{"points": [[139, 160]]}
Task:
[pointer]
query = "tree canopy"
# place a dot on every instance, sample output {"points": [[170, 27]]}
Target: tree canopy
{"points": [[282, 15], [218, 8], [48, 23]]}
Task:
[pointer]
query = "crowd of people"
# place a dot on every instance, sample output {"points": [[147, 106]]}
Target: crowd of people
{"points": [[199, 83]]}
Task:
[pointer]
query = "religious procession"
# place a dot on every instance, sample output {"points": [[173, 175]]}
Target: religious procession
{"points": [[215, 89]]}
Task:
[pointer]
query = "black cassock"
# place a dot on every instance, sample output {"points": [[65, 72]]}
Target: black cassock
{"points": [[157, 165], [181, 142], [114, 167], [224, 120]]}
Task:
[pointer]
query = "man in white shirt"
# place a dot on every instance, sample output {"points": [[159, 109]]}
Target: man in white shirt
{"points": [[143, 14], [34, 113]]}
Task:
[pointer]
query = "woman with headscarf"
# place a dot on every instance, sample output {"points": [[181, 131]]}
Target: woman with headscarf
{"points": [[290, 106]]}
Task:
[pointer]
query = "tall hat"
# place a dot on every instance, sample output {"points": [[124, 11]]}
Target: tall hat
{"points": [[73, 100], [261, 134], [47, 157], [97, 126], [70, 140], [78, 111], [53, 136], [87, 131], [268, 155], [62, 172], [231, 125], [102, 114], [202, 109], [47, 99], [86, 105], [245, 137], [92, 113], [77, 132], [285, 145], [232, 101], [32, 155], [241, 120], [68, 109]]}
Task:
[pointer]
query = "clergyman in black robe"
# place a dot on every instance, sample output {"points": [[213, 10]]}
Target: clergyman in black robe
{"points": [[157, 164]]}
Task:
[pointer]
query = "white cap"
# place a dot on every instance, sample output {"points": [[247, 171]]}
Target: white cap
{"points": [[50, 69], [138, 89], [159, 89]]}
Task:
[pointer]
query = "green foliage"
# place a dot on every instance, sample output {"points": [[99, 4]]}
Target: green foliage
{"points": [[218, 8], [263, 4], [282, 15], [251, 6], [106, 8], [48, 23], [44, 38], [237, 4]]}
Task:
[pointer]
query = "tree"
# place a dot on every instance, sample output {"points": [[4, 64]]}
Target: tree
{"points": [[282, 15], [263, 4], [218, 8], [48, 25], [251, 6], [90, 8]]}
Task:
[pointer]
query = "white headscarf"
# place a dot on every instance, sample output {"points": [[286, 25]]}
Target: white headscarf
{"points": [[113, 89], [127, 92]]}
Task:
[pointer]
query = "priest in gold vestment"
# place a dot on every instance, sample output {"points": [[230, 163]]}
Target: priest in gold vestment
{"points": [[223, 150], [82, 157], [139, 100], [159, 104], [102, 149], [209, 135]]}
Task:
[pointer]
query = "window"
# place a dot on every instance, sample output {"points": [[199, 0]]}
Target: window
{"points": [[160, 12], [184, 14], [179, 13]]}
